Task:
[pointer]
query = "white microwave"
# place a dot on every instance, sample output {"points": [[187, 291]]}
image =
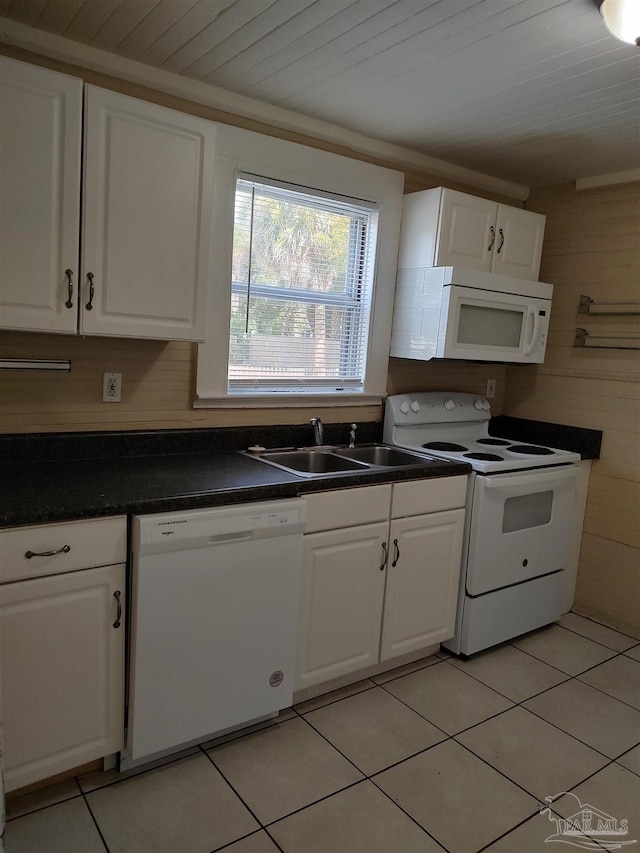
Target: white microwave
{"points": [[451, 312]]}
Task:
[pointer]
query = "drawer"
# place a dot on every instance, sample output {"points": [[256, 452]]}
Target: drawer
{"points": [[416, 497], [347, 507], [95, 542]]}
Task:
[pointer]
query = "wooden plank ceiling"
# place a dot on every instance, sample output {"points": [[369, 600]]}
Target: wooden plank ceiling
{"points": [[532, 91]]}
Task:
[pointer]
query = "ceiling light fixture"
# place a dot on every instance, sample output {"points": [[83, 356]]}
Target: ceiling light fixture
{"points": [[622, 19]]}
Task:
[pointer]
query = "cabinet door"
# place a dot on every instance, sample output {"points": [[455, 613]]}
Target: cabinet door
{"points": [[422, 586], [465, 235], [341, 604], [62, 672], [147, 219], [518, 247], [40, 135]]}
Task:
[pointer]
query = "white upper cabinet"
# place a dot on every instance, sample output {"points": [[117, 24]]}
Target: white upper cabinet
{"points": [[148, 186], [442, 227], [146, 211], [40, 133], [464, 231], [519, 242]]}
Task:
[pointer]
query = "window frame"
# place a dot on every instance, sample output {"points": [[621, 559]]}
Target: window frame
{"points": [[245, 153]]}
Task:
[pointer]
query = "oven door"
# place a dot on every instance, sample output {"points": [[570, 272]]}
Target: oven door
{"points": [[492, 326], [521, 524]]}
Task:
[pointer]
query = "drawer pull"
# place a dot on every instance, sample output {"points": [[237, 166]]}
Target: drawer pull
{"points": [[117, 595], [64, 550]]}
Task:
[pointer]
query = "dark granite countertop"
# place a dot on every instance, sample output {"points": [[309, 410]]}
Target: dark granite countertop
{"points": [[586, 442], [39, 492], [66, 476]]}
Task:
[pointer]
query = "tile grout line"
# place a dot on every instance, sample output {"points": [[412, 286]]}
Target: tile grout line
{"points": [[242, 800], [244, 837], [584, 671], [47, 805], [332, 701], [601, 624], [95, 822], [584, 743], [504, 695], [520, 704], [371, 778], [365, 777]]}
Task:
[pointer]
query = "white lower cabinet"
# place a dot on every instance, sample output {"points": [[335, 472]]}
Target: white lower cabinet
{"points": [[62, 656], [422, 582], [372, 592], [342, 595]]}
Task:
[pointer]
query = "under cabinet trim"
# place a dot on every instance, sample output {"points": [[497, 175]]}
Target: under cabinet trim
{"points": [[35, 364]]}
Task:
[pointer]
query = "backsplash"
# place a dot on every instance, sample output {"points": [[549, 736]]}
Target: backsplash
{"points": [[158, 380]]}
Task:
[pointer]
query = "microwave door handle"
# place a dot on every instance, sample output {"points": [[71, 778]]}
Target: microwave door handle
{"points": [[529, 347]]}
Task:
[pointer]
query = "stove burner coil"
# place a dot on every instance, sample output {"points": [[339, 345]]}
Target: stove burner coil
{"points": [[487, 457], [496, 442], [443, 445], [531, 449]]}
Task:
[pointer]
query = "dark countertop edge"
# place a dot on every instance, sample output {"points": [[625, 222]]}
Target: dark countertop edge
{"points": [[77, 446], [586, 442], [231, 495]]}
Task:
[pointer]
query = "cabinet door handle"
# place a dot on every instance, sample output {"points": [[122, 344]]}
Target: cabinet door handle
{"points": [[501, 233], [69, 302], [385, 557], [493, 238], [64, 550], [89, 305], [397, 557], [117, 595]]}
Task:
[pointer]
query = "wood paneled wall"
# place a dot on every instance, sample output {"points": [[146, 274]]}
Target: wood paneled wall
{"points": [[158, 379], [592, 247]]}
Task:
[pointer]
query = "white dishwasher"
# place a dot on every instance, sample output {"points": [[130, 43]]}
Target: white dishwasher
{"points": [[214, 617]]}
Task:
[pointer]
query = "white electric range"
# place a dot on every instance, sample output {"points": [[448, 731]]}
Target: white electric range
{"points": [[522, 510]]}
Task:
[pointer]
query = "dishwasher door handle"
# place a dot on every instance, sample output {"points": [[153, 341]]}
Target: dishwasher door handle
{"points": [[237, 536]]}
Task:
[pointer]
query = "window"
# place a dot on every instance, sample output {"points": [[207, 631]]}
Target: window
{"points": [[303, 321], [302, 280]]}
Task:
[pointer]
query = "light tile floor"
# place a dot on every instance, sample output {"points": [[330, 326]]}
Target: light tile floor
{"points": [[445, 754]]}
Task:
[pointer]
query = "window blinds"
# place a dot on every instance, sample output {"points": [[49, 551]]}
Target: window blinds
{"points": [[302, 282]]}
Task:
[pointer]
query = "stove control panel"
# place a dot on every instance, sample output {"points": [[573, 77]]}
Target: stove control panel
{"points": [[433, 407]]}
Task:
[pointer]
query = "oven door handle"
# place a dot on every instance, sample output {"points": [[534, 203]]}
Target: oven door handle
{"points": [[529, 347], [545, 476]]}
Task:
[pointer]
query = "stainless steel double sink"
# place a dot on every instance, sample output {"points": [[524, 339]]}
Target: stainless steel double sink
{"points": [[326, 461]]}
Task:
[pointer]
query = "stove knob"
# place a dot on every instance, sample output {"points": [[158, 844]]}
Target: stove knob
{"points": [[449, 405], [404, 408], [415, 406], [479, 405], [486, 405]]}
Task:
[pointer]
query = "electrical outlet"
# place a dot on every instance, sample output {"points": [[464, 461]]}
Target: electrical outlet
{"points": [[111, 387], [491, 389]]}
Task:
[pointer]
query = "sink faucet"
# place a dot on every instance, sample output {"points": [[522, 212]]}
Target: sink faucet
{"points": [[318, 431], [352, 435]]}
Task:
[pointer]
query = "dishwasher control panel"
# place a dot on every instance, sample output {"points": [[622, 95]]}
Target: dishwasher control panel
{"points": [[199, 528]]}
